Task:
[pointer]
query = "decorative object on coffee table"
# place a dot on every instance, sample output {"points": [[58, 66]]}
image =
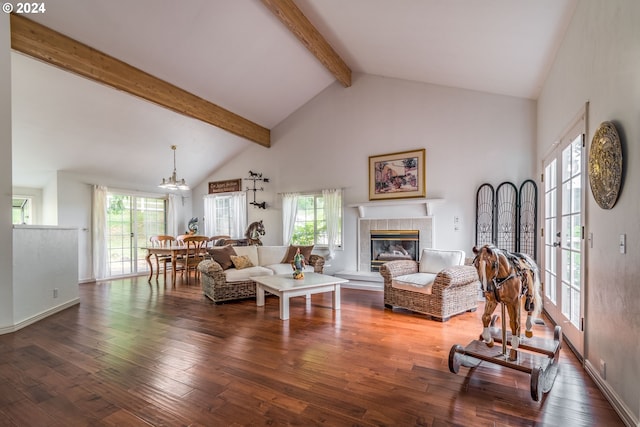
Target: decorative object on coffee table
{"points": [[397, 175], [605, 165], [298, 265]]}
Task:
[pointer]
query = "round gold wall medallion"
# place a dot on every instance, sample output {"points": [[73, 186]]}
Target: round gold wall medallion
{"points": [[605, 165]]}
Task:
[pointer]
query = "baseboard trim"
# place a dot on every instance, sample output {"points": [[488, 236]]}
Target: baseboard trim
{"points": [[618, 405], [33, 319], [366, 286]]}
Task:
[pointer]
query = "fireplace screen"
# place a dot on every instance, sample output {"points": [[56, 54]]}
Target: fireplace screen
{"points": [[390, 245]]}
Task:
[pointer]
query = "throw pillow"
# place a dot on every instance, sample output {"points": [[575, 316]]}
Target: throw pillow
{"points": [[435, 260], [240, 262], [291, 252], [223, 256]]}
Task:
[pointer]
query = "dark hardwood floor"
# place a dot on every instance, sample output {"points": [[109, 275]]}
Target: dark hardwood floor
{"points": [[137, 354]]}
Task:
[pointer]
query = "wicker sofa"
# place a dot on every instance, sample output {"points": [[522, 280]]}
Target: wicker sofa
{"points": [[440, 285], [220, 284]]}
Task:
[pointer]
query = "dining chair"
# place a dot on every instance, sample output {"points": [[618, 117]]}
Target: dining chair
{"points": [[162, 241], [196, 252]]}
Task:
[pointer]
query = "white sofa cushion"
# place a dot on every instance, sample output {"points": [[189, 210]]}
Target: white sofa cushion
{"points": [[282, 268], [415, 282], [250, 251], [234, 275], [269, 255], [436, 260]]}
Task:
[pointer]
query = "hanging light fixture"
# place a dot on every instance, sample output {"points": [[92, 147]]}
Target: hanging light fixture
{"points": [[172, 182]]}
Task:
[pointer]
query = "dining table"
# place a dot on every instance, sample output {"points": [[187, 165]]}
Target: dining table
{"points": [[173, 250]]}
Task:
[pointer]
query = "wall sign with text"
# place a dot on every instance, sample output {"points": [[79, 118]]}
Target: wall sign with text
{"points": [[228, 186]]}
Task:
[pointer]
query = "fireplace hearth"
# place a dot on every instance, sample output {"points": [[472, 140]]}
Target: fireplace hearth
{"points": [[390, 245]]}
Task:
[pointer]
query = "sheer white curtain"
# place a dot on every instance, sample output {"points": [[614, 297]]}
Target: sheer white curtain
{"points": [[332, 208], [289, 210], [237, 214], [99, 232], [172, 215], [210, 215]]}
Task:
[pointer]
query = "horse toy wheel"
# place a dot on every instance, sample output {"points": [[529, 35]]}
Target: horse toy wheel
{"points": [[536, 384], [455, 356]]}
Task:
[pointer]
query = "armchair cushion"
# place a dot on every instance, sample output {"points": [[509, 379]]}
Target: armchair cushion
{"points": [[435, 260], [233, 275], [416, 282]]}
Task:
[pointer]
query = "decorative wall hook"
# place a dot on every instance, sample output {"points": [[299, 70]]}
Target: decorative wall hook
{"points": [[255, 177]]}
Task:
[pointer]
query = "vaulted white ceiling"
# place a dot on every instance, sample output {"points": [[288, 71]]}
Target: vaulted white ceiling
{"points": [[238, 55]]}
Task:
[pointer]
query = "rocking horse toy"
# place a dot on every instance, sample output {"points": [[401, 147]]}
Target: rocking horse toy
{"points": [[508, 278], [255, 230]]}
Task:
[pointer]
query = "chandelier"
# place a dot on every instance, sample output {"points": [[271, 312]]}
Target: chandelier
{"points": [[172, 182]]}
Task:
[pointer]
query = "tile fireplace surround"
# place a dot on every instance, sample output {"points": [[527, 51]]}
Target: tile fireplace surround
{"points": [[365, 225]]}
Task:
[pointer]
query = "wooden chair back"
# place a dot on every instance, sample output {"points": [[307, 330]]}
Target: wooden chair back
{"points": [[196, 252], [161, 241]]}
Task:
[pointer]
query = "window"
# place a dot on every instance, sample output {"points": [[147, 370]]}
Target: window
{"points": [[310, 225], [225, 214], [21, 209], [131, 221]]}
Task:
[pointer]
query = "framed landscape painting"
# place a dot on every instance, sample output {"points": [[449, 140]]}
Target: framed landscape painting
{"points": [[397, 175]]}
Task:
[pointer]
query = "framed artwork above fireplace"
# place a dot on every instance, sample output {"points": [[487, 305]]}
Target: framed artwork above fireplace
{"points": [[397, 175]]}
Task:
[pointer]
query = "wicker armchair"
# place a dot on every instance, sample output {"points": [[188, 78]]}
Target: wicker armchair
{"points": [[453, 291]]}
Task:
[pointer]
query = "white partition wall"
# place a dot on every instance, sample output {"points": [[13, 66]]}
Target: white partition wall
{"points": [[45, 272], [6, 289]]}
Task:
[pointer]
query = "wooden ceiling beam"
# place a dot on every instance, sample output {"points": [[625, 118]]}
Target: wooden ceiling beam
{"points": [[301, 27], [43, 43]]}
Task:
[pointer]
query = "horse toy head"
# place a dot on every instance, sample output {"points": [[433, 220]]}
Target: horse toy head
{"points": [[254, 232], [487, 262]]}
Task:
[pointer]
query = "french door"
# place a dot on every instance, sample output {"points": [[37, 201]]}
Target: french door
{"points": [[563, 266], [131, 220]]}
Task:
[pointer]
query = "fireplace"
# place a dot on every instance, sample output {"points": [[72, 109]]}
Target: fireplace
{"points": [[390, 245]]}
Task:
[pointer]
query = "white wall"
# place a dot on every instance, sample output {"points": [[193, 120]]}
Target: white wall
{"points": [[469, 137], [44, 260], [75, 199], [599, 62], [6, 229], [50, 201]]}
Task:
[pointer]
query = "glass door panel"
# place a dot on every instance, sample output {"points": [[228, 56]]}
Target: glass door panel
{"points": [[119, 245], [564, 235], [131, 220]]}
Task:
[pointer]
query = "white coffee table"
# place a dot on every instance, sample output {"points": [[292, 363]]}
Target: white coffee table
{"points": [[285, 287]]}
